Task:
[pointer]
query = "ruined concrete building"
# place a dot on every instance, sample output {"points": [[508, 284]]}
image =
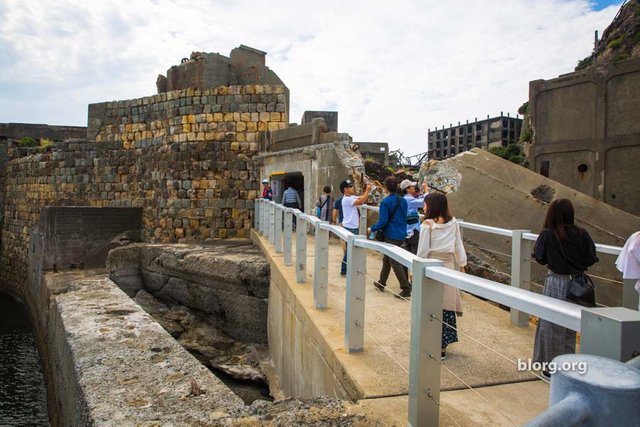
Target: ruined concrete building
{"points": [[587, 123], [244, 66], [492, 132]]}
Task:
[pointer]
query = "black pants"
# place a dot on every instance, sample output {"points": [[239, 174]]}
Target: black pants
{"points": [[411, 245], [398, 269]]}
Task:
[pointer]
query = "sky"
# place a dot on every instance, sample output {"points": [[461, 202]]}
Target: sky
{"points": [[392, 70]]}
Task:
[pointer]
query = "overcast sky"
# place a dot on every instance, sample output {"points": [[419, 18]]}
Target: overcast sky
{"points": [[391, 69]]}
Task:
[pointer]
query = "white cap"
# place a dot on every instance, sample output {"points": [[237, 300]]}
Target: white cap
{"points": [[265, 181], [406, 184]]}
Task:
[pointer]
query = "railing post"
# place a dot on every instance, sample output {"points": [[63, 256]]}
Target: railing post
{"points": [[278, 230], [629, 294], [520, 271], [362, 229], [321, 266], [426, 344], [288, 223], [612, 332], [354, 294], [263, 217], [272, 223], [256, 215], [301, 250]]}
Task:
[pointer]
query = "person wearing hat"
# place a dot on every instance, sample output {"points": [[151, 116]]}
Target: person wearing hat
{"points": [[415, 201], [267, 193], [351, 216]]}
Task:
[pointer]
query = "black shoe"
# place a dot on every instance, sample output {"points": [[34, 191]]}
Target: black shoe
{"points": [[404, 294], [546, 375], [379, 286], [343, 273], [443, 355]]}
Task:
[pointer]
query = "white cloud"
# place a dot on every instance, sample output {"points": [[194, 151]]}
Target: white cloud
{"points": [[390, 71]]}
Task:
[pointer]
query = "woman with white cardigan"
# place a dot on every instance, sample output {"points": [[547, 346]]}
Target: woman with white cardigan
{"points": [[440, 238]]}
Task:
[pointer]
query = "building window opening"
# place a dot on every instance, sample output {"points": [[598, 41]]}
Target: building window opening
{"points": [[582, 168], [544, 168]]}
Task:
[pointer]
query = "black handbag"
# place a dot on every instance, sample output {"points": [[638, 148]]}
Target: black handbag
{"points": [[581, 290]]}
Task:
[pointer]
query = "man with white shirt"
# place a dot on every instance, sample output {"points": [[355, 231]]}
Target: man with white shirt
{"points": [[351, 215]]}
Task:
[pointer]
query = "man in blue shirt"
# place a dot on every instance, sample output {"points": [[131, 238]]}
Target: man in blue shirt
{"points": [[393, 223]]}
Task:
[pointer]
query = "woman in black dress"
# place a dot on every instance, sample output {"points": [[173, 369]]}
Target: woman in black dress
{"points": [[565, 249]]}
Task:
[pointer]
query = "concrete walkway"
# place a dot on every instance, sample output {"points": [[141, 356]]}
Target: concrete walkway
{"points": [[484, 359]]}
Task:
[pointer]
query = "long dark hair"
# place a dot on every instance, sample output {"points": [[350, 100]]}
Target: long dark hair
{"points": [[560, 215], [437, 206]]}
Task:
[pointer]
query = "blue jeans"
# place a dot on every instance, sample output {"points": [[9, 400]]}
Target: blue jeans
{"points": [[343, 266]]}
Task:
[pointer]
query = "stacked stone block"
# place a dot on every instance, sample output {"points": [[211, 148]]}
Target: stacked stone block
{"points": [[185, 157]]}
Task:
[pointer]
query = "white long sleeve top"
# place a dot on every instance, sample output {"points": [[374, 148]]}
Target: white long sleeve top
{"points": [[443, 238]]}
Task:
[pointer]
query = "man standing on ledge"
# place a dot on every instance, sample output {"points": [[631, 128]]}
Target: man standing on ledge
{"points": [[351, 220]]}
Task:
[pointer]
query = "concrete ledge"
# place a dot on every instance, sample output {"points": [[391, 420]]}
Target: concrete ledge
{"points": [[112, 364]]}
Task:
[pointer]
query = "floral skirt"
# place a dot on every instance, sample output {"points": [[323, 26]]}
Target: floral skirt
{"points": [[449, 335]]}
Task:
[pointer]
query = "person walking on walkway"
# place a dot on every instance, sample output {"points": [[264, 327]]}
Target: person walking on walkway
{"points": [[324, 205], [440, 238], [392, 222], [565, 249], [291, 199], [351, 215]]}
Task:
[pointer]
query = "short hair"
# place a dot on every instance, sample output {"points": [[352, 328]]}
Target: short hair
{"points": [[391, 184], [437, 206], [326, 189]]}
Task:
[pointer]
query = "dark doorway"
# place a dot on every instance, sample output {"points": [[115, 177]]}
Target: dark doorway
{"points": [[295, 180], [544, 168]]}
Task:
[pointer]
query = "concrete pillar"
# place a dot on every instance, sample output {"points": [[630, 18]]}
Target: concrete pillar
{"points": [[288, 225], [355, 296], [520, 271], [278, 229], [426, 342], [301, 250], [592, 391], [321, 267]]}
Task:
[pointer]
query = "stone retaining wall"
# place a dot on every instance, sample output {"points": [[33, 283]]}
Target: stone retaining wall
{"points": [[184, 157]]}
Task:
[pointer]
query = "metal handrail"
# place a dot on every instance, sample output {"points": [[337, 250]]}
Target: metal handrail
{"points": [[600, 248], [554, 310]]}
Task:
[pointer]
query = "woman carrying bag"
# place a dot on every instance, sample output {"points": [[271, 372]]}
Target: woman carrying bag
{"points": [[566, 250], [440, 238]]}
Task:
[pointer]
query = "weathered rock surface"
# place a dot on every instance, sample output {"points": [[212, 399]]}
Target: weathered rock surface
{"points": [[196, 332], [228, 281]]}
